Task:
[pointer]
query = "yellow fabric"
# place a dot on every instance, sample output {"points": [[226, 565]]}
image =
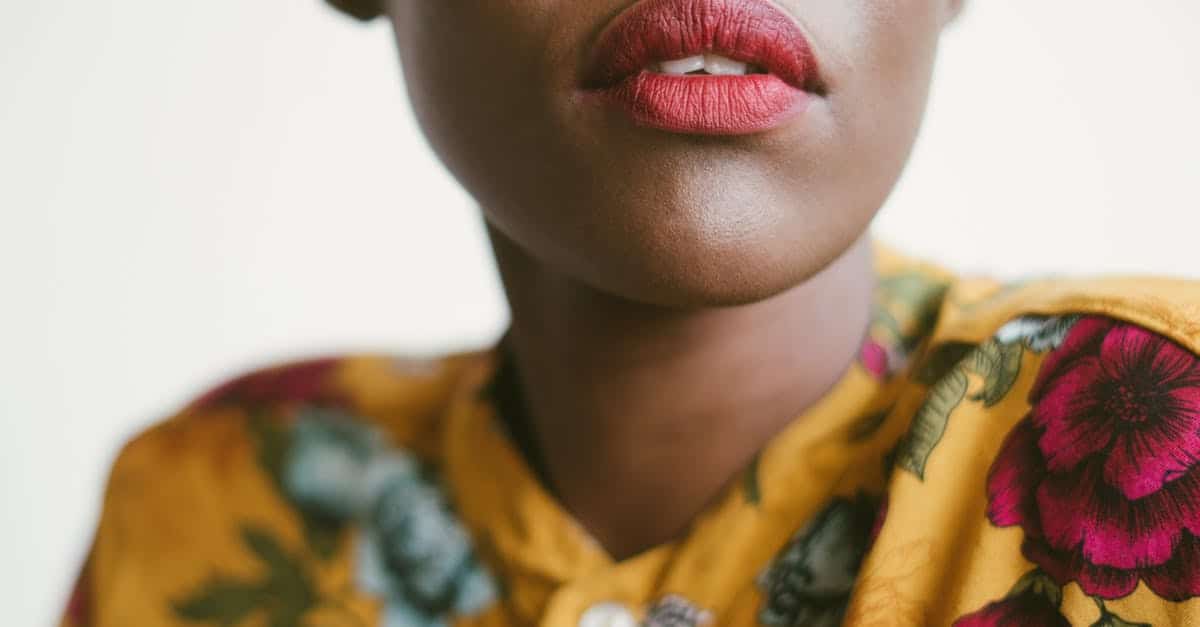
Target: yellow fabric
{"points": [[197, 529]]}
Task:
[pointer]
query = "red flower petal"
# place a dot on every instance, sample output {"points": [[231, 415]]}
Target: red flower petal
{"points": [[1130, 352], [1083, 339], [874, 359], [1146, 532], [1110, 493], [1065, 567], [880, 519], [1143, 460], [1105, 582], [1068, 504], [1060, 565], [1013, 478], [79, 606], [1155, 391], [1071, 414], [1178, 579], [300, 382], [1127, 350], [1081, 514]]}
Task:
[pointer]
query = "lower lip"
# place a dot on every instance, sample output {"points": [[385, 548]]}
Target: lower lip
{"points": [[707, 105]]}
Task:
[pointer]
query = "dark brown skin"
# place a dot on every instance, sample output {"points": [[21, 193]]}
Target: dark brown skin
{"points": [[677, 300]]}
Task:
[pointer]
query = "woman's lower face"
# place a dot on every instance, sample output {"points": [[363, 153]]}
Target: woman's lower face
{"points": [[674, 152]]}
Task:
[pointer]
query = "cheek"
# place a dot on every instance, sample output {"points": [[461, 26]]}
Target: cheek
{"points": [[478, 74], [893, 57], [878, 57], [871, 45]]}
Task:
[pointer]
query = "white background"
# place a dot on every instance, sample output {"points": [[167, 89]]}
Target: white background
{"points": [[188, 189]]}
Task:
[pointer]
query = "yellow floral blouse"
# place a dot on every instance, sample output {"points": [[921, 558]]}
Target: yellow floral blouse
{"points": [[1020, 454]]}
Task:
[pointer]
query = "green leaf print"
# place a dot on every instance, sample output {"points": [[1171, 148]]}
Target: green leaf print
{"points": [[810, 580], [222, 601], [272, 443], [941, 360], [998, 364], [917, 295], [1039, 583], [929, 424], [285, 590], [288, 582], [323, 534], [265, 547]]}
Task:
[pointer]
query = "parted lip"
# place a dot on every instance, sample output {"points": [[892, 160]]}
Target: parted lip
{"points": [[751, 31]]}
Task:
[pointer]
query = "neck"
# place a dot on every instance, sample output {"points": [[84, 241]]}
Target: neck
{"points": [[639, 416]]}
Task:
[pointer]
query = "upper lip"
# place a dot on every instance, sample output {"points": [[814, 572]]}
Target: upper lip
{"points": [[752, 31]]}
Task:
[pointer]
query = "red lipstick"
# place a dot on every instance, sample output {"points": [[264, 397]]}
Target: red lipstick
{"points": [[758, 68]]}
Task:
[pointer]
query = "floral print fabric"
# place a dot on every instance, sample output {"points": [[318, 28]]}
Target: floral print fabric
{"points": [[1102, 476], [999, 455], [414, 554], [809, 582]]}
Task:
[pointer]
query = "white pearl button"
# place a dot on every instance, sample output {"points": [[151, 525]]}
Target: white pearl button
{"points": [[607, 615]]}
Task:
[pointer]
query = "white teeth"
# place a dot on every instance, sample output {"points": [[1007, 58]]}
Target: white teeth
{"points": [[683, 66], [718, 65], [713, 64]]}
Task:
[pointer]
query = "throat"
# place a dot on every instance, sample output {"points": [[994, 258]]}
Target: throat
{"points": [[637, 425], [636, 483]]}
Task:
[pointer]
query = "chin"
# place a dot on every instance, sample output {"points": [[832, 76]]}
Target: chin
{"points": [[694, 273], [712, 290]]}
